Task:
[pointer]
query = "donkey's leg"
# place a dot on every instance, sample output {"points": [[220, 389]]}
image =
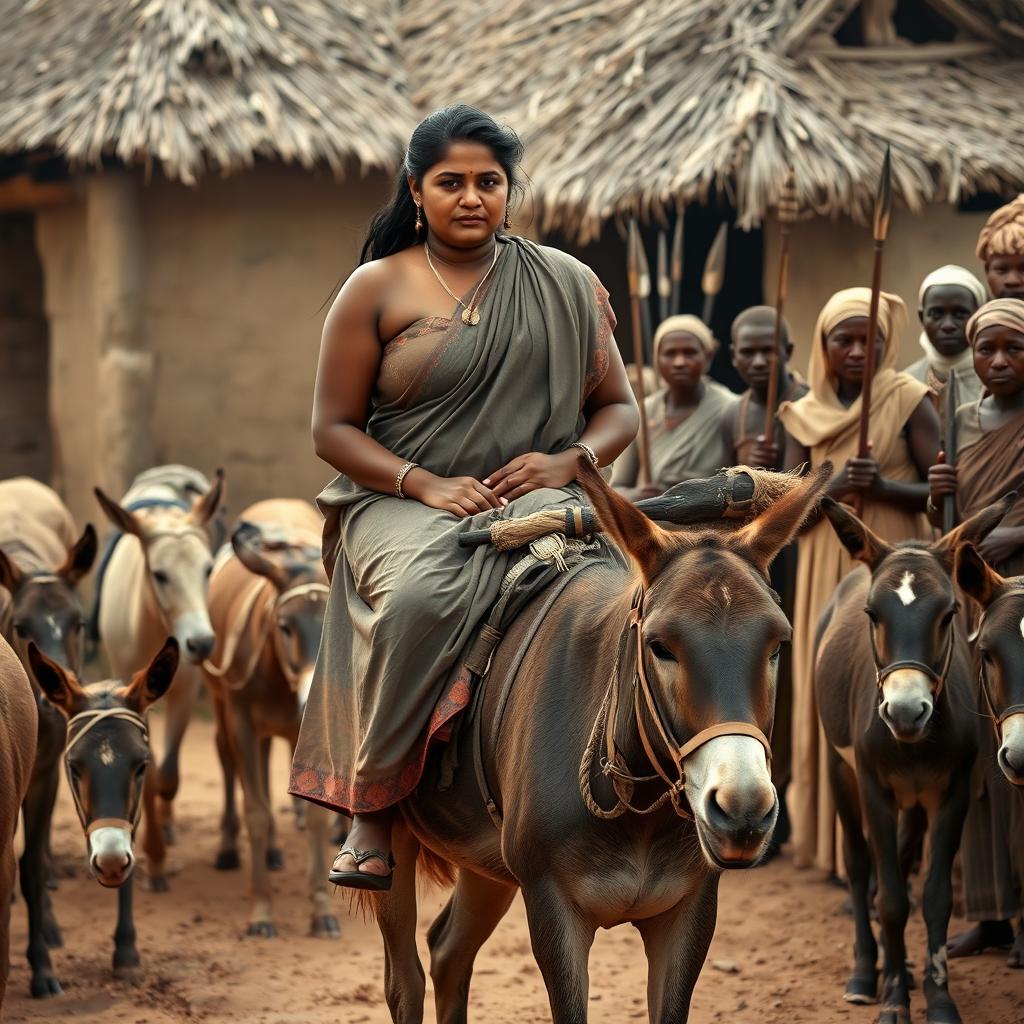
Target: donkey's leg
{"points": [[467, 921], [863, 984], [178, 705], [227, 855], [404, 982], [944, 836], [324, 923], [561, 938], [894, 904], [275, 855], [153, 836], [32, 869], [126, 956], [677, 942]]}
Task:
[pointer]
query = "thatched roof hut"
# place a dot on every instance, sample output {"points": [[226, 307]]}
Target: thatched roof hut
{"points": [[629, 105], [195, 85]]}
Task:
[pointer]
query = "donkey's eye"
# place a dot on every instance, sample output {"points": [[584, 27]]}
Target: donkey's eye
{"points": [[161, 577], [776, 654], [286, 629], [872, 615], [660, 651], [948, 617], [21, 629], [986, 656]]}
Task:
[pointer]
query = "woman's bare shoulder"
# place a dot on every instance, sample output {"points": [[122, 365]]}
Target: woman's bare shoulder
{"points": [[368, 285]]}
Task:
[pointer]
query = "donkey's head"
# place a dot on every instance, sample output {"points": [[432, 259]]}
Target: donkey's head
{"points": [[296, 570], [911, 608], [1000, 643], [107, 753], [709, 643], [176, 547], [45, 608]]}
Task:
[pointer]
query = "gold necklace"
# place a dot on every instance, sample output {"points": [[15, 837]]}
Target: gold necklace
{"points": [[470, 313]]}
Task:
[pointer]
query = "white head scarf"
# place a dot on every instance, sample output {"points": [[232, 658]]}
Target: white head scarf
{"points": [[961, 277]]}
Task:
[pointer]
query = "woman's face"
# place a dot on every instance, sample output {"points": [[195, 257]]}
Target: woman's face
{"points": [[846, 350], [999, 359], [944, 315], [1005, 275], [682, 360], [464, 195]]}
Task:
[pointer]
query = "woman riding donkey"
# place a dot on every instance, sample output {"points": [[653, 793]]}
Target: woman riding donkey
{"points": [[463, 374]]}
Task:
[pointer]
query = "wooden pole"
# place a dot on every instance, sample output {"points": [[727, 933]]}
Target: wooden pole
{"points": [[677, 263], [714, 272], [883, 214], [664, 282], [787, 211], [644, 290], [952, 400], [633, 276]]}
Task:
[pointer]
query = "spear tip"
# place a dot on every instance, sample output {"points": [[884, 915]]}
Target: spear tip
{"points": [[714, 267], [883, 200]]}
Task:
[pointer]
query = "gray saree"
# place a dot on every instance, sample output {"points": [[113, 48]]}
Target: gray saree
{"points": [[405, 598]]}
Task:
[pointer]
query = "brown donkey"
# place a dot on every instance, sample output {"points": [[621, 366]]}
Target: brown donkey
{"points": [[897, 701], [106, 760], [17, 755], [669, 672], [267, 602]]}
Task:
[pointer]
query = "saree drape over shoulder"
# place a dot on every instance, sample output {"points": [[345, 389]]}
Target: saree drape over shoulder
{"points": [[830, 431], [692, 450], [405, 598]]}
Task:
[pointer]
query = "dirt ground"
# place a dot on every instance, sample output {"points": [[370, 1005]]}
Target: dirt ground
{"points": [[780, 952]]}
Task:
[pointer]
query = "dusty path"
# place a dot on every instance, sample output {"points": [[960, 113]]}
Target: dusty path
{"points": [[781, 931]]}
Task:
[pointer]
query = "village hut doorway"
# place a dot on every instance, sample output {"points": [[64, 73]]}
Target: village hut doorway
{"points": [[25, 436]]}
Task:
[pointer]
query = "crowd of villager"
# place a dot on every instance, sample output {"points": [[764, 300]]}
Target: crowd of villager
{"points": [[593, 631]]}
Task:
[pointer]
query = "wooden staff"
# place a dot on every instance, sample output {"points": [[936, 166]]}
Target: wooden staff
{"points": [[664, 282], [787, 211], [677, 263], [714, 272], [949, 501], [644, 288], [633, 276], [883, 214]]}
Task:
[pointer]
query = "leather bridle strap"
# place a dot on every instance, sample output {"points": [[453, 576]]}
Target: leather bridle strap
{"points": [[99, 823], [882, 672]]}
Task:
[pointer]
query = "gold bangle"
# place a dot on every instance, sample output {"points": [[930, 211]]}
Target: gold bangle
{"points": [[400, 477], [588, 451]]}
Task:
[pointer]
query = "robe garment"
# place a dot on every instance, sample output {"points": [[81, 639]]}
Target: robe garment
{"points": [[692, 450], [748, 422], [829, 430], [989, 464], [405, 598]]}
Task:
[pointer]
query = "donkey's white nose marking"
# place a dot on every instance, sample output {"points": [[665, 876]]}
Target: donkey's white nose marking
{"points": [[1022, 627], [905, 592]]}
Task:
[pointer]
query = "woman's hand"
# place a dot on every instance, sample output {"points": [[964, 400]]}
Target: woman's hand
{"points": [[461, 495], [764, 454], [1002, 544], [942, 480], [532, 471], [862, 474]]}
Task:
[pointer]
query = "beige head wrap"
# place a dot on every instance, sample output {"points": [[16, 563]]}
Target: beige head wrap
{"points": [[1005, 312], [686, 324], [951, 274], [1003, 233]]}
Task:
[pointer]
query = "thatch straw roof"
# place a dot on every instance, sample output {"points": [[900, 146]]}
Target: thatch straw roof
{"points": [[632, 105], [193, 85]]}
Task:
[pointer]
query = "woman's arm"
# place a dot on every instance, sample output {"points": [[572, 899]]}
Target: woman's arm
{"points": [[350, 356]]}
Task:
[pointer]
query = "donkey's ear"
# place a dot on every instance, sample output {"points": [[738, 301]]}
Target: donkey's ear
{"points": [[152, 682], [646, 543], [975, 577], [80, 556], [61, 687], [975, 529], [204, 508], [865, 546], [122, 519], [247, 543], [10, 575], [761, 540]]}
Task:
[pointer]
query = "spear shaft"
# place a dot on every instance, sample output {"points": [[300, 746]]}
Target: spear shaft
{"points": [[787, 214], [644, 289], [883, 214], [949, 501], [664, 282], [633, 276], [714, 272], [677, 263]]}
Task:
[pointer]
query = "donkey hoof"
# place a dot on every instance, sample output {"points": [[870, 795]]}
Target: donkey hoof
{"points": [[227, 860], [130, 973], [325, 926], [158, 883], [275, 859], [862, 988], [52, 935], [45, 986], [895, 1015], [261, 930]]}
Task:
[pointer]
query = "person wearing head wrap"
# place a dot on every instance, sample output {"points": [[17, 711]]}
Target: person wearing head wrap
{"points": [[824, 425], [990, 462], [1001, 249], [751, 349], [683, 418], [946, 301]]}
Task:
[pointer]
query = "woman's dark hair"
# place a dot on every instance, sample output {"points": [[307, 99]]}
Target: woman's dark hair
{"points": [[394, 226]]}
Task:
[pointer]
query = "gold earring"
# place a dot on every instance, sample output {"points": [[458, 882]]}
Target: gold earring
{"points": [[419, 220], [508, 219]]}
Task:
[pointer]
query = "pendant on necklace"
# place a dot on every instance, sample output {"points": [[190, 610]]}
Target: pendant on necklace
{"points": [[470, 317]]}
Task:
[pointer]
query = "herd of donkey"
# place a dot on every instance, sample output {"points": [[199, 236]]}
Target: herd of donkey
{"points": [[183, 598]]}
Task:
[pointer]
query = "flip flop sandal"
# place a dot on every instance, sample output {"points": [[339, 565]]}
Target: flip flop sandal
{"points": [[363, 879]]}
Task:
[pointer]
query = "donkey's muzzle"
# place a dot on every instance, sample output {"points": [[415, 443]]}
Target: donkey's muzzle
{"points": [[737, 827], [111, 858]]}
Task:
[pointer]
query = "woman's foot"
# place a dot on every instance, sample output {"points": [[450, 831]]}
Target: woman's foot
{"points": [[984, 935], [365, 861]]}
